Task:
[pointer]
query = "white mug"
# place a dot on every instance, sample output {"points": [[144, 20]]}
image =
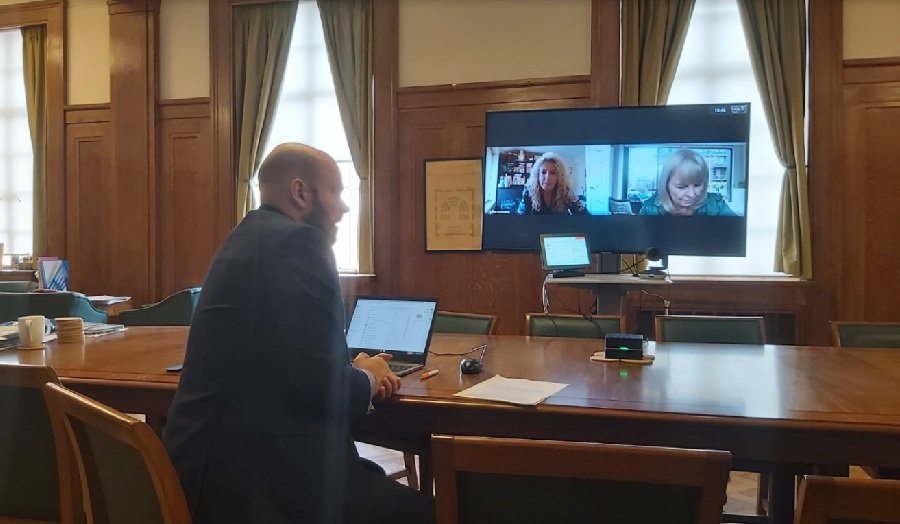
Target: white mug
{"points": [[32, 330]]}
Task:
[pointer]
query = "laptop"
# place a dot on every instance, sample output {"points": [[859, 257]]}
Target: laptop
{"points": [[401, 327], [566, 255]]}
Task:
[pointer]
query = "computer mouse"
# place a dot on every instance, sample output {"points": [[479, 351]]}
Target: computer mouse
{"points": [[470, 366]]}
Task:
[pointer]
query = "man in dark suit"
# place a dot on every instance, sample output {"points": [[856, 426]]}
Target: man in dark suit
{"points": [[259, 430]]}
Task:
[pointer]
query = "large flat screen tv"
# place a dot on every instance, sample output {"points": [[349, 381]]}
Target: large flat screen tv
{"points": [[631, 178]]}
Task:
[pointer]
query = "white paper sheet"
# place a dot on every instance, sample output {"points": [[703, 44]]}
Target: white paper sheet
{"points": [[513, 390]]}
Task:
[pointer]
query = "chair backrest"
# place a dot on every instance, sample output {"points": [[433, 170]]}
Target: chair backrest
{"points": [[30, 487], [128, 477], [865, 334], [710, 329], [834, 500], [482, 480], [175, 310], [50, 305], [468, 323], [597, 326]]}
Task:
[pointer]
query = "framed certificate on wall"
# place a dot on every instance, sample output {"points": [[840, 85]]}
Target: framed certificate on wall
{"points": [[453, 200]]}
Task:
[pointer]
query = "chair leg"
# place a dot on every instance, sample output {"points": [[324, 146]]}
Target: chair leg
{"points": [[762, 494], [412, 477]]}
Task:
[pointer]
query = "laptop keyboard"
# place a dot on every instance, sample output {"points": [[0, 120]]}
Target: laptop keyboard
{"points": [[400, 368]]}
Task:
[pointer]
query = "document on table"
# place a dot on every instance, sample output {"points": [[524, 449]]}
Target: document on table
{"points": [[513, 390]]}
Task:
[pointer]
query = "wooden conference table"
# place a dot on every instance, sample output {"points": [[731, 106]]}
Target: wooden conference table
{"points": [[778, 405]]}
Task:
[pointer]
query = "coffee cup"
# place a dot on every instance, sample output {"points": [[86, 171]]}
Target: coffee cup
{"points": [[32, 330]]}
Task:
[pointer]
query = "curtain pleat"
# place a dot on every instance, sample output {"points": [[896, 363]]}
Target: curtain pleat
{"points": [[776, 36], [347, 25], [262, 40], [34, 46]]}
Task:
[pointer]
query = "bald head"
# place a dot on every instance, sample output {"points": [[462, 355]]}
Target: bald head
{"points": [[305, 184], [288, 162]]}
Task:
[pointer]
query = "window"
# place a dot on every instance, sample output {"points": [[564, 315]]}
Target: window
{"points": [[715, 68], [307, 112], [16, 157]]}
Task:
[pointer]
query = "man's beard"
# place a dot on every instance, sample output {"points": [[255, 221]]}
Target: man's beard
{"points": [[316, 217]]}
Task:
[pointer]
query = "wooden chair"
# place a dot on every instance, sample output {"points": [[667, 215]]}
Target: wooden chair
{"points": [[469, 323], [444, 322], [832, 500], [174, 310], [482, 480], [35, 485], [865, 334], [127, 474], [578, 326], [868, 335], [710, 329], [720, 330]]}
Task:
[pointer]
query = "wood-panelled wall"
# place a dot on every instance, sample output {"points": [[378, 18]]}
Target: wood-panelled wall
{"points": [[184, 211], [870, 191]]}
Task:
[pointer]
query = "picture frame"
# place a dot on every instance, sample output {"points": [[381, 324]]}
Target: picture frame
{"points": [[454, 195]]}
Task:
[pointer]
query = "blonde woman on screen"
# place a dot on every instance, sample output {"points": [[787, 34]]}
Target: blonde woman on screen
{"points": [[548, 190], [681, 189]]}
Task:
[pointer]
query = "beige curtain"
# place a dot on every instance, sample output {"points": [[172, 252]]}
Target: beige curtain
{"points": [[34, 46], [776, 35], [262, 39], [347, 25], [653, 33]]}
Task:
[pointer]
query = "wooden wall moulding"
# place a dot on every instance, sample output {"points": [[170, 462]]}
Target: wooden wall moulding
{"points": [[187, 187], [486, 93], [134, 90], [89, 222], [85, 114], [872, 70], [869, 222], [119, 7], [606, 60]]}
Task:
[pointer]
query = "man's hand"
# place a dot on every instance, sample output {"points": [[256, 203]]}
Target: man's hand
{"points": [[386, 382]]}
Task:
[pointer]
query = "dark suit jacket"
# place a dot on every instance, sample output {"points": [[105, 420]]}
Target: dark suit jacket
{"points": [[259, 430]]}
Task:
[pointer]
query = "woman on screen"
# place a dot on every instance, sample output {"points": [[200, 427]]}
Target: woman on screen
{"points": [[681, 189], [548, 191]]}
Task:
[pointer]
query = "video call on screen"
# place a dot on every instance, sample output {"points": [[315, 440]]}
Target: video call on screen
{"points": [[618, 180]]}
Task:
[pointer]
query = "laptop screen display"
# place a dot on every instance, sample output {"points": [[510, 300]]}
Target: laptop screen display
{"points": [[391, 325], [565, 251]]}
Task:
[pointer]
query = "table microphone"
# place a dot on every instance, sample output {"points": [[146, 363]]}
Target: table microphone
{"points": [[470, 366]]}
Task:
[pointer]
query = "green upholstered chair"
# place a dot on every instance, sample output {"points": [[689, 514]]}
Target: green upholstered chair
{"points": [[833, 500], [30, 489], [18, 286], [469, 323], [576, 326], [174, 310], [128, 476], [710, 329], [486, 480], [50, 305], [865, 334]]}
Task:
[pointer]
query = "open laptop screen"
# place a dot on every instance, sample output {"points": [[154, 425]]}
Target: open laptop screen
{"points": [[391, 325], [564, 251]]}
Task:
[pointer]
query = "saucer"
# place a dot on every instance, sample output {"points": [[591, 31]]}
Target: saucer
{"points": [[42, 346]]}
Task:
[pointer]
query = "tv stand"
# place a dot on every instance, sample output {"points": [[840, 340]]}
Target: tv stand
{"points": [[567, 273], [609, 289]]}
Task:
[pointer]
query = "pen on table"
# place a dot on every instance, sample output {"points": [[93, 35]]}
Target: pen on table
{"points": [[429, 374]]}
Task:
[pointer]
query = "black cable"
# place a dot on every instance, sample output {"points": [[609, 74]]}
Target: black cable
{"points": [[482, 347]]}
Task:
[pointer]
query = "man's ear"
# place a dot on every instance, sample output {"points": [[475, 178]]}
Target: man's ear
{"points": [[301, 193]]}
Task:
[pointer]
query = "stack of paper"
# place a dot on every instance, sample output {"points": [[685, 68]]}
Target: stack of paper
{"points": [[513, 390]]}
